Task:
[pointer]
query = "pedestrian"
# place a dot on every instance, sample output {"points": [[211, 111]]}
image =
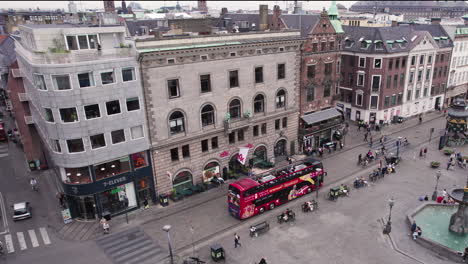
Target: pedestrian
{"points": [[413, 227], [334, 146], [341, 145], [465, 254], [425, 152], [105, 226], [371, 142], [263, 261], [420, 118], [145, 203], [421, 151], [236, 240], [320, 150], [365, 137], [359, 159], [381, 140], [448, 164]]}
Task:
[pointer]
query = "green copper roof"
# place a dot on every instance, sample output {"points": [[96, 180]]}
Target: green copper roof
{"points": [[337, 26], [190, 47], [333, 10], [465, 16]]}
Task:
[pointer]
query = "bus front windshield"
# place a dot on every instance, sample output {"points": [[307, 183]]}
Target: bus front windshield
{"points": [[234, 195]]}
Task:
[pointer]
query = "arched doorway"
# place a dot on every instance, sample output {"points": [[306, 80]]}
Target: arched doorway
{"points": [[280, 148], [211, 170], [259, 156], [235, 166], [182, 180]]}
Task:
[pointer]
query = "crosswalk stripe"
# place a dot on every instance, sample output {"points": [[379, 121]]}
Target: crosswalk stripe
{"points": [[44, 235], [33, 237], [9, 244], [21, 240]]}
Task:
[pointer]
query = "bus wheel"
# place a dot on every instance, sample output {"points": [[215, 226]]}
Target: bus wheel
{"points": [[272, 206], [309, 190], [261, 210]]}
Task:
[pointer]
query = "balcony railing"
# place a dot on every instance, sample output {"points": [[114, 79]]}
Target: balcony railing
{"points": [[74, 56], [29, 120], [237, 123], [23, 97]]}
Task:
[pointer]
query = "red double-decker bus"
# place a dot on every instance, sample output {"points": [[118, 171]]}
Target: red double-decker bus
{"points": [[248, 197]]}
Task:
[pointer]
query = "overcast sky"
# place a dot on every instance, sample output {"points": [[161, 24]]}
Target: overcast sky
{"points": [[231, 5]]}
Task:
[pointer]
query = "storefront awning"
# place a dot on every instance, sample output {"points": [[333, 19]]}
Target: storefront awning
{"points": [[320, 116]]}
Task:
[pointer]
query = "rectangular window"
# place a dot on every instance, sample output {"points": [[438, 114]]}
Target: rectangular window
{"points": [[402, 79], [112, 168], [440, 72], [403, 62], [173, 88], [233, 79], [408, 95], [332, 45], [400, 98], [386, 101], [285, 122], [113, 107], [411, 77], [377, 63], [281, 71], [240, 135], [133, 104], [442, 57], [93, 41], [416, 95], [375, 83], [107, 77], [397, 63], [40, 82], [48, 115], [72, 44], [311, 71], [437, 58], [359, 99], [362, 62], [118, 136], [232, 138], [425, 92], [255, 131], [186, 151], [75, 145], [394, 99], [205, 83], [204, 145], [214, 142], [314, 47], [421, 59], [390, 64], [174, 154], [395, 81], [61, 82], [310, 89], [85, 79], [97, 141], [389, 81], [92, 111], [419, 75], [328, 69], [428, 74], [128, 74], [323, 46], [55, 145], [327, 90], [264, 128], [277, 124], [413, 60], [136, 132], [258, 74], [374, 100], [429, 59], [83, 41], [68, 115], [445, 71]]}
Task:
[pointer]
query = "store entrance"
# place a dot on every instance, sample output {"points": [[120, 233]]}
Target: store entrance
{"points": [[84, 207]]}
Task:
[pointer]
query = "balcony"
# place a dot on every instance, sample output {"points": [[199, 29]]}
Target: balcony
{"points": [[29, 120], [237, 123], [23, 97], [48, 57], [16, 73]]}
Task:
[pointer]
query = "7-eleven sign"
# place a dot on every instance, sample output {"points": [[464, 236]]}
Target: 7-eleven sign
{"points": [[243, 152]]}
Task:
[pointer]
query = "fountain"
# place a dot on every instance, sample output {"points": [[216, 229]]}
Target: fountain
{"points": [[459, 220]]}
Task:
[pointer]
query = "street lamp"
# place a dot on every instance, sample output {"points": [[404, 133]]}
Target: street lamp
{"points": [[317, 185], [434, 195], [388, 226], [167, 228]]}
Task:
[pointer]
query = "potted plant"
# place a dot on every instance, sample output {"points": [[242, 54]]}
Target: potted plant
{"points": [[448, 152], [173, 195], [435, 164]]}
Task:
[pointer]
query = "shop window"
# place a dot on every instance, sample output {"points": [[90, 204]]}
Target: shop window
{"points": [[175, 154], [259, 104], [235, 109], [112, 168], [205, 83], [48, 115], [77, 175], [133, 104], [139, 160], [281, 71], [240, 135], [182, 181], [68, 115], [214, 142], [118, 136], [285, 122], [113, 107], [277, 124], [207, 115], [128, 74], [86, 79], [204, 145], [186, 151], [233, 79], [75, 145], [211, 170], [281, 99], [40, 82], [264, 128], [118, 199], [258, 74], [136, 132], [97, 141], [173, 88], [61, 82], [107, 77], [176, 123], [92, 111]]}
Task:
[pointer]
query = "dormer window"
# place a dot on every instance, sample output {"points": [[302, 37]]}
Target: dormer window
{"points": [[348, 43], [390, 44], [363, 44], [378, 45]]}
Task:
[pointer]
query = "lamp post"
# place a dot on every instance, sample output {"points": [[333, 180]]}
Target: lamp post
{"points": [[167, 228], [388, 226], [398, 147], [317, 185], [434, 195]]}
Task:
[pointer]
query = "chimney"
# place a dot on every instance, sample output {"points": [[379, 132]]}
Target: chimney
{"points": [[394, 23], [435, 20], [275, 19], [277, 11], [109, 6], [263, 21], [224, 11]]}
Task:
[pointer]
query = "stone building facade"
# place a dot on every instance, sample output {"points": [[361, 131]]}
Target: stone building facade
{"points": [[458, 80], [209, 96]]}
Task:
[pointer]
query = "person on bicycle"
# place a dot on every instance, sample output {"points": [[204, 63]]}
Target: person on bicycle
{"points": [[33, 183]]}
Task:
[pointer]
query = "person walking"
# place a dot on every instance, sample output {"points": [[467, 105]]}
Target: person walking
{"points": [[421, 151], [371, 142], [365, 137], [420, 118], [320, 150], [444, 194], [263, 261], [341, 145], [359, 159], [425, 152], [145, 203], [236, 240], [448, 164]]}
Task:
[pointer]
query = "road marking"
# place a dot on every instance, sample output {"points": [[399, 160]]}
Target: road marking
{"points": [[44, 235], [33, 237], [21, 240], [9, 244], [4, 215]]}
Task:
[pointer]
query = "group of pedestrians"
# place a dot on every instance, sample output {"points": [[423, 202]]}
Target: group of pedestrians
{"points": [[423, 152], [456, 158]]}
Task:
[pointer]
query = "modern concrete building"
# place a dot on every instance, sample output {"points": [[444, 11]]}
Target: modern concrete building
{"points": [[83, 88], [210, 96]]}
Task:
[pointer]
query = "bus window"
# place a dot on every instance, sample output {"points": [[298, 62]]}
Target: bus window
{"points": [[234, 191]]}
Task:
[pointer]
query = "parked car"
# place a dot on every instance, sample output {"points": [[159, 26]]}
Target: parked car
{"points": [[21, 211]]}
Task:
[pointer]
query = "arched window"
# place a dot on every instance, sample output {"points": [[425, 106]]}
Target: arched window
{"points": [[182, 180], [259, 104], [235, 109], [176, 122], [207, 115], [281, 99]]}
